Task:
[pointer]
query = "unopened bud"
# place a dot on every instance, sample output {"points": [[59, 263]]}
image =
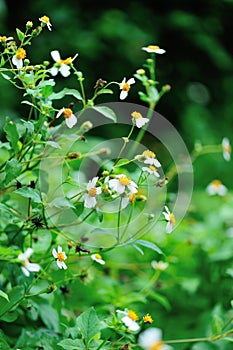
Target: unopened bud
{"points": [[26, 62], [166, 88], [51, 288], [29, 24], [36, 31], [141, 71]]}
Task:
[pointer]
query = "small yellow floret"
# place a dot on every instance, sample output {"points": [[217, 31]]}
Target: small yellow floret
{"points": [[20, 54], [125, 181], [149, 154], [60, 257], [148, 319], [136, 115]]}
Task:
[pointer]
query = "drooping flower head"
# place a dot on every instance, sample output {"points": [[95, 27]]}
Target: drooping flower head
{"points": [[62, 66], [130, 319], [92, 191], [151, 339], [216, 187], [27, 266], [46, 21], [61, 257], [226, 148], [153, 49], [170, 218], [18, 58], [121, 183], [70, 118], [138, 119], [125, 87], [98, 258]]}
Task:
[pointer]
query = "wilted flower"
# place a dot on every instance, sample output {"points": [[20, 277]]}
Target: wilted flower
{"points": [[226, 149], [125, 87], [138, 119], [151, 339], [70, 118], [159, 265], [216, 187], [28, 267], [92, 191], [98, 259], [151, 169], [121, 183], [60, 256], [63, 65], [153, 49], [18, 58], [46, 21], [129, 319], [170, 218]]}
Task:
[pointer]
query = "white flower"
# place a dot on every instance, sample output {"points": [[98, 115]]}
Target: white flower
{"points": [[151, 170], [226, 149], [216, 187], [153, 49], [18, 58], [139, 120], [63, 65], [60, 256], [98, 258], [92, 191], [151, 339], [121, 183], [28, 267], [170, 218], [46, 21], [125, 87], [129, 319], [70, 118], [159, 265], [4, 38], [148, 157]]}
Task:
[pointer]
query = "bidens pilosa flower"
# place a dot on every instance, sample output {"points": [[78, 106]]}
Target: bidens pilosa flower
{"points": [[61, 257], [70, 118], [98, 259], [226, 148], [148, 319], [148, 157], [153, 49], [151, 339], [62, 66], [159, 265], [130, 319], [92, 191], [18, 58], [216, 187], [27, 266], [46, 21], [151, 169], [138, 119], [4, 38], [170, 218], [125, 87], [121, 183]]}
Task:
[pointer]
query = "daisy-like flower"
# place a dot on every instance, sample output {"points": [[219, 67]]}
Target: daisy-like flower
{"points": [[153, 49], [148, 319], [216, 187], [170, 218], [151, 169], [148, 157], [121, 183], [159, 265], [226, 148], [130, 319], [61, 257], [18, 58], [4, 38], [62, 66], [92, 191], [28, 267], [151, 339], [138, 119], [46, 21], [125, 87], [70, 118], [98, 259]]}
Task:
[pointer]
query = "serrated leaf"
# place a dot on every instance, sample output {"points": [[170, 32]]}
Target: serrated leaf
{"points": [[106, 112], [216, 324], [4, 295], [149, 245], [88, 324], [13, 169], [29, 192], [20, 34], [12, 134], [72, 344]]}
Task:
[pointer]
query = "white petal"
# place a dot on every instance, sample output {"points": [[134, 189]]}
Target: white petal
{"points": [[25, 271], [59, 264], [211, 189], [222, 190], [33, 267], [64, 265], [169, 227], [92, 182], [140, 122], [90, 202], [132, 188], [60, 112], [122, 83], [55, 55], [59, 249], [123, 95], [98, 190], [75, 57], [131, 81], [160, 51], [64, 70], [149, 337], [54, 252], [54, 71], [17, 63], [226, 155], [70, 122], [28, 253]]}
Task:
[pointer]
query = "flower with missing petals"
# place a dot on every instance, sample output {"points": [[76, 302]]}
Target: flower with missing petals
{"points": [[70, 118], [130, 319], [170, 218], [27, 266], [151, 339], [92, 191], [98, 259], [18, 58], [62, 66], [153, 49], [60, 256], [121, 183], [151, 169], [138, 119], [46, 21], [226, 149], [125, 87], [216, 187]]}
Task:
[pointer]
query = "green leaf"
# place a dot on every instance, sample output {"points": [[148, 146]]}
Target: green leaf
{"points": [[15, 296], [143, 97], [12, 134], [161, 299], [20, 34], [106, 112], [7, 253], [3, 343], [28, 192], [104, 91], [13, 169], [65, 91], [122, 162], [53, 144], [150, 245], [88, 324], [61, 202], [4, 295], [72, 344], [216, 324], [49, 316], [5, 76], [153, 93]]}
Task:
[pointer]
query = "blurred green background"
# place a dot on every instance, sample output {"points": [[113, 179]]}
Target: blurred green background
{"points": [[109, 35]]}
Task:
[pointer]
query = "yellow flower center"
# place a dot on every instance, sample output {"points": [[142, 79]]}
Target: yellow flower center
{"points": [[132, 315], [126, 87], [136, 115], [226, 148], [153, 168], [149, 154], [153, 47], [60, 256], [3, 38], [92, 192], [157, 345], [20, 54], [66, 61], [147, 319], [124, 181], [172, 218], [216, 183], [67, 113], [45, 19], [98, 256]]}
